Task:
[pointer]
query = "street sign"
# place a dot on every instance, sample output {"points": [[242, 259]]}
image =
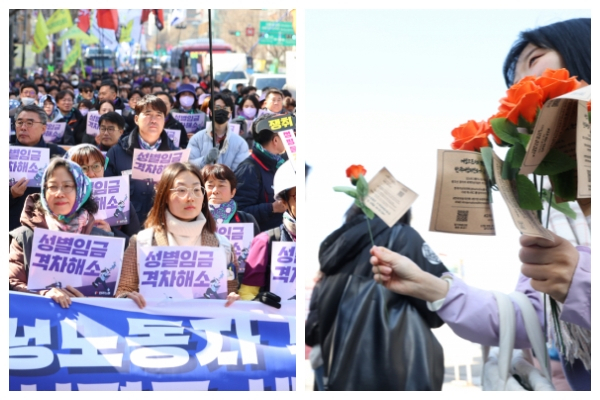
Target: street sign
{"points": [[249, 31], [276, 33]]}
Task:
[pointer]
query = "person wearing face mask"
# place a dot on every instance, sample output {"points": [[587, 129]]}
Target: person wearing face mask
{"points": [[230, 150], [186, 100], [28, 95], [258, 262], [84, 106], [247, 113]]}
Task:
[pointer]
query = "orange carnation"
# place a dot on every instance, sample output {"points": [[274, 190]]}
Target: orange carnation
{"points": [[555, 83], [355, 171], [523, 98], [471, 136]]}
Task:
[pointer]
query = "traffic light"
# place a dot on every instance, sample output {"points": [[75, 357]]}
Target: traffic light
{"points": [[235, 33], [15, 47]]}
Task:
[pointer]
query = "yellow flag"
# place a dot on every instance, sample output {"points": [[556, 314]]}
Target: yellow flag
{"points": [[73, 33], [73, 56], [126, 33], [61, 19], [40, 38]]}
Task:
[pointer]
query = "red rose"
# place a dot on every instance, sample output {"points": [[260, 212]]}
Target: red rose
{"points": [[555, 83], [523, 98], [355, 171], [471, 136]]}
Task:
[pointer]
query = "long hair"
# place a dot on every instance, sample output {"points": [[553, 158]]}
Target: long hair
{"points": [[157, 217], [572, 39]]}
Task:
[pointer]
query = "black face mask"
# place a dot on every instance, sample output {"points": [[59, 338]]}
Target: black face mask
{"points": [[221, 116]]}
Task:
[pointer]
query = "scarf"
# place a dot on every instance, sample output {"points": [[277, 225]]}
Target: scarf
{"points": [[145, 146], [83, 188], [75, 225], [289, 223], [222, 213], [184, 233], [272, 156]]}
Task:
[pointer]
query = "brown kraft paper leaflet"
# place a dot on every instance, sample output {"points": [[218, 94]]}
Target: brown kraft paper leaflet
{"points": [[526, 221], [461, 203], [584, 152], [388, 198]]}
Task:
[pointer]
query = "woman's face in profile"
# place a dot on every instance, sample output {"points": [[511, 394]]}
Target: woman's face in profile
{"points": [[535, 60]]}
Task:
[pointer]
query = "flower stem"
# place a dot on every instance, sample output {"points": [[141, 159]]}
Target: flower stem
{"points": [[370, 233]]}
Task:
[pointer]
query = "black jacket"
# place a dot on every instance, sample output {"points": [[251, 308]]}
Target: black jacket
{"points": [[15, 206], [172, 123], [243, 217], [120, 158], [73, 122]]}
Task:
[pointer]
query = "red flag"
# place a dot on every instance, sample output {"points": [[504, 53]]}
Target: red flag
{"points": [[83, 17], [158, 16], [145, 14], [108, 19]]}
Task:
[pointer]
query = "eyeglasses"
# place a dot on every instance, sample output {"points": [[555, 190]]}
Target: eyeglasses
{"points": [[94, 167], [28, 93], [110, 129], [66, 189], [222, 108], [29, 123], [182, 191], [86, 91]]}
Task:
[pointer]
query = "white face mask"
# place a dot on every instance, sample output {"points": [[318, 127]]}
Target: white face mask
{"points": [[27, 101], [186, 101], [83, 111]]}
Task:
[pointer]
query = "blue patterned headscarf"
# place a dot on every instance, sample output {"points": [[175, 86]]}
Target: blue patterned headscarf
{"points": [[83, 187]]}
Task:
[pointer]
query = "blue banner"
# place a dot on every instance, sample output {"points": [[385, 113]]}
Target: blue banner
{"points": [[110, 344]]}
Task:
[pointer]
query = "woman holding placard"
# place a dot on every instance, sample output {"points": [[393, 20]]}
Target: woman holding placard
{"points": [[92, 162], [64, 204], [68, 114], [179, 217]]}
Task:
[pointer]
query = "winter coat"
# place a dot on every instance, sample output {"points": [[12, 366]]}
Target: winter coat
{"points": [[233, 149], [120, 159]]}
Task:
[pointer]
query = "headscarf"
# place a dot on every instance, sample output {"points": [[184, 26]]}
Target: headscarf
{"points": [[83, 189]]}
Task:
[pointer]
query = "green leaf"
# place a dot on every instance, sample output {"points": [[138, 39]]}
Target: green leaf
{"points": [[565, 185], [368, 212], [554, 163], [564, 208], [518, 155], [529, 198], [362, 187], [506, 167], [486, 154], [350, 191], [522, 123], [524, 139], [505, 130]]}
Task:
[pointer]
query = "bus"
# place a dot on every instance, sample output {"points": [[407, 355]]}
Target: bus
{"points": [[100, 59], [191, 56]]}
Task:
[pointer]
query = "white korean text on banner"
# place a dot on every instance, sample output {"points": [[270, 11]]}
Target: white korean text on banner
{"points": [[150, 164], [191, 122], [182, 272], [27, 162], [283, 270], [112, 196], [54, 132], [174, 135], [108, 344], [93, 123], [240, 236], [91, 264]]}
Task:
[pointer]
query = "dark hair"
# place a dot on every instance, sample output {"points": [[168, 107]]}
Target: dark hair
{"points": [[264, 136], [163, 93], [286, 93], [274, 91], [51, 88], [135, 92], [157, 217], [90, 205], [62, 94], [253, 99], [152, 102], [221, 172], [85, 102], [35, 109], [84, 153], [226, 99], [146, 84], [28, 84], [289, 101], [158, 85], [355, 212], [247, 90], [85, 86], [105, 101], [114, 118], [571, 39], [110, 84]]}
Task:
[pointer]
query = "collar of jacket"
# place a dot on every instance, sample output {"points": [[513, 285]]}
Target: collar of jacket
{"points": [[268, 162], [41, 143], [131, 141]]}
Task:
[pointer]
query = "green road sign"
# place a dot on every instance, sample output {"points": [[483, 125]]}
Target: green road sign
{"points": [[276, 33]]}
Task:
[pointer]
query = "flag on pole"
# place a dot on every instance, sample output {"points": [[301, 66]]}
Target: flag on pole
{"points": [[61, 19], [73, 56], [84, 20], [40, 38], [108, 19], [177, 16], [158, 17], [126, 32]]}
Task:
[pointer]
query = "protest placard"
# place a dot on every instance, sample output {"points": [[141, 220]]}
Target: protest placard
{"points": [[191, 122], [149, 164], [240, 235], [232, 129], [93, 123], [110, 344], [10, 130], [27, 162], [283, 270], [54, 132], [289, 142], [174, 135], [182, 272], [91, 264], [112, 196], [388, 198], [461, 203]]}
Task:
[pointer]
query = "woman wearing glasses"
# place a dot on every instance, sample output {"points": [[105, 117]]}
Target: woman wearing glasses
{"points": [[69, 114], [65, 204], [179, 217], [229, 150], [92, 162]]}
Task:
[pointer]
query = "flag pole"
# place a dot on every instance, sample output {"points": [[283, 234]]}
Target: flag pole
{"points": [[212, 97]]}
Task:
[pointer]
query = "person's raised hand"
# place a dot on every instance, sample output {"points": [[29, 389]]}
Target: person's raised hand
{"points": [[102, 224], [18, 189], [62, 297], [137, 298], [278, 206]]}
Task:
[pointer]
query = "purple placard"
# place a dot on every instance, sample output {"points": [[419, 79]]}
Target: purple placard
{"points": [[283, 270], [112, 196], [27, 162], [191, 121], [91, 264], [93, 123], [174, 135], [149, 164], [54, 132], [182, 272], [240, 236]]}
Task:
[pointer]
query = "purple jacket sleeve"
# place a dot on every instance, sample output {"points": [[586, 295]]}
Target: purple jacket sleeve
{"points": [[472, 313], [577, 307]]}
